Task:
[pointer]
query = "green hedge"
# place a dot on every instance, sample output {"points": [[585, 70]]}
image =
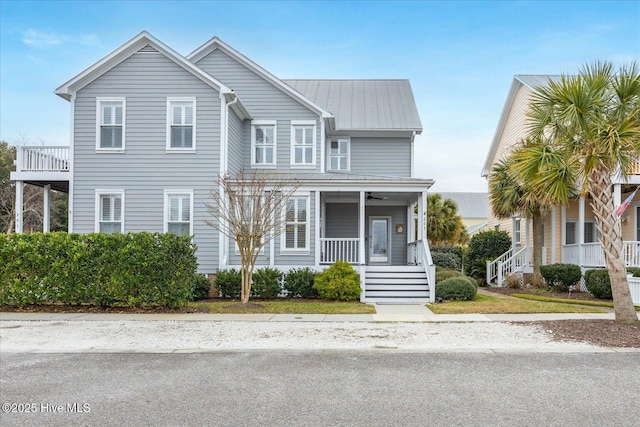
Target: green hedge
{"points": [[267, 283], [135, 269], [298, 282], [338, 282], [598, 283], [561, 276]]}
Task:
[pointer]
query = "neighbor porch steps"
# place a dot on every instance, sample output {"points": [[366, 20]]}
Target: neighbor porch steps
{"points": [[396, 284]]}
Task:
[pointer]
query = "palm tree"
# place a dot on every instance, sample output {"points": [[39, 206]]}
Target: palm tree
{"points": [[593, 119], [444, 225]]}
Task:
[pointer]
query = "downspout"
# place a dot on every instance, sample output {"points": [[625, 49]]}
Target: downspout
{"points": [[223, 243], [71, 164], [413, 159]]}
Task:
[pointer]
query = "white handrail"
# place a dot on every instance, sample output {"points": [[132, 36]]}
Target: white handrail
{"points": [[341, 249], [492, 266], [42, 159]]}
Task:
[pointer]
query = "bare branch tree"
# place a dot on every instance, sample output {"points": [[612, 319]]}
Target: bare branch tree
{"points": [[252, 209]]}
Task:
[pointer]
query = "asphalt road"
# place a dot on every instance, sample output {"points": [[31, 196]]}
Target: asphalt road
{"points": [[339, 388]]}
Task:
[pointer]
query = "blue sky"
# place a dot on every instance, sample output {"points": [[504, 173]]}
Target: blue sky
{"points": [[459, 56]]}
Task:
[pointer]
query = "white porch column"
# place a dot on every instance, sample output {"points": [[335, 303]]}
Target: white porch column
{"points": [[514, 219], [362, 255], [19, 205], [46, 217], [526, 239], [553, 236], [317, 214], [563, 231], [617, 195], [422, 216], [581, 231]]}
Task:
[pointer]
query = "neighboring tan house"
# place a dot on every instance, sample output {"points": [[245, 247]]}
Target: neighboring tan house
{"points": [[570, 234], [473, 208], [152, 130]]}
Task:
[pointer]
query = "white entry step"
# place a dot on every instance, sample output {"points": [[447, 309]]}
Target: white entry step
{"points": [[397, 283]]}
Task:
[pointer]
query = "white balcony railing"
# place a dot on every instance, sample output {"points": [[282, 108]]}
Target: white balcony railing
{"points": [[332, 250], [42, 159], [592, 255]]}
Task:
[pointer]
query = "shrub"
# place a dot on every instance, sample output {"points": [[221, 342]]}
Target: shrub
{"points": [[445, 273], [561, 276], [446, 260], [338, 282], [634, 270], [200, 287], [134, 269], [453, 253], [266, 283], [486, 245], [229, 283], [598, 283], [457, 289], [299, 283], [512, 281]]}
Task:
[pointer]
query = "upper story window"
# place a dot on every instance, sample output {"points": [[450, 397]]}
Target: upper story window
{"points": [[109, 211], [303, 144], [178, 212], [296, 235], [181, 124], [263, 144], [517, 230], [339, 154], [111, 120]]}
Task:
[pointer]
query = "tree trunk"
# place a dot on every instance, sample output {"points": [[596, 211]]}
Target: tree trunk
{"points": [[537, 247], [610, 231]]}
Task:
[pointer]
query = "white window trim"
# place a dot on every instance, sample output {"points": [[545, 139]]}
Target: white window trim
{"points": [[596, 234], [283, 236], [168, 193], [255, 123], [108, 192], [99, 102], [311, 165], [348, 141], [169, 148], [517, 230]]}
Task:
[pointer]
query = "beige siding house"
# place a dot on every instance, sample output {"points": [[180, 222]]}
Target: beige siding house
{"points": [[569, 232]]}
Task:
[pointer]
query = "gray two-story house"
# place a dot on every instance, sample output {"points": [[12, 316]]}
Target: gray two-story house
{"points": [[152, 130]]}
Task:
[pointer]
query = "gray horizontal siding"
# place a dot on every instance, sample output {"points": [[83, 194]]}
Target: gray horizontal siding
{"points": [[341, 220], [145, 170], [381, 156], [262, 99], [236, 143]]}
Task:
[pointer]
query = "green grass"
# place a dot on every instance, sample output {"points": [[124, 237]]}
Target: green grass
{"points": [[567, 300], [288, 306], [484, 304]]}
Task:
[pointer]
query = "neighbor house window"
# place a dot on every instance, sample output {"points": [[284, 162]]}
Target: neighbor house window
{"points": [[296, 235], [109, 211], [110, 132], [178, 212], [303, 143], [263, 144], [590, 232], [181, 124], [516, 231], [339, 154]]}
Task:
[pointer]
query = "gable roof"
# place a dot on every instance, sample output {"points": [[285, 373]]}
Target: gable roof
{"points": [[470, 205], [126, 50], [216, 43], [532, 81], [364, 104]]}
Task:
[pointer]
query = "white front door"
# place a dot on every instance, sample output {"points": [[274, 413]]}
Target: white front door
{"points": [[379, 239]]}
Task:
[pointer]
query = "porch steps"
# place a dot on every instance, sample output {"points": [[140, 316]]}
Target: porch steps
{"points": [[397, 283]]}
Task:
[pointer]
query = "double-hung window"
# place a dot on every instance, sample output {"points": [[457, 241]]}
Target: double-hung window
{"points": [[109, 211], [111, 120], [339, 150], [178, 212], [571, 232], [181, 124], [303, 144], [296, 234], [263, 144]]}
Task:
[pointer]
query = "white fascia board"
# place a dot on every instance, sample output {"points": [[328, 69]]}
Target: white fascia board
{"points": [[216, 43], [125, 51]]}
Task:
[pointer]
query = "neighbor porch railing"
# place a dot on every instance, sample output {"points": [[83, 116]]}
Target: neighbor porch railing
{"points": [[593, 255], [506, 264], [42, 159], [332, 250]]}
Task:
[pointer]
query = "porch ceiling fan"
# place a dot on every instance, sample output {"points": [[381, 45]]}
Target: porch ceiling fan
{"points": [[372, 197]]}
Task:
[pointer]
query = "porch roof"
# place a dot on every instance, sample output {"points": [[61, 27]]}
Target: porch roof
{"points": [[356, 182]]}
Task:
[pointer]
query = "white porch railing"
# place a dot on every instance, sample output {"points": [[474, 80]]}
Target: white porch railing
{"points": [[492, 266], [332, 250], [424, 258], [42, 159], [593, 255], [634, 288]]}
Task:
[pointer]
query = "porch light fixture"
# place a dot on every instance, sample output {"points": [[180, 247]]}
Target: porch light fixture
{"points": [[399, 228], [624, 219]]}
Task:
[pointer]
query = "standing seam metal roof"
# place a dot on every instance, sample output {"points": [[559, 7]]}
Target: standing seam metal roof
{"points": [[364, 104]]}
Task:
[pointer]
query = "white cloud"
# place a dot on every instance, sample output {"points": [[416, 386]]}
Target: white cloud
{"points": [[37, 38], [44, 39]]}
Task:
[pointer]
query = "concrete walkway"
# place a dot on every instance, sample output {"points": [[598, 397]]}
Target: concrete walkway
{"points": [[384, 313]]}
